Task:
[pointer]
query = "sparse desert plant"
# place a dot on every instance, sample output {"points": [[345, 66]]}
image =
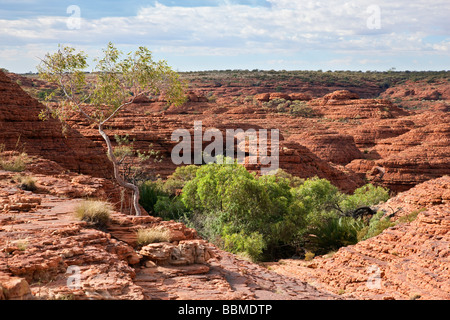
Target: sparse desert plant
{"points": [[152, 235], [410, 217], [27, 183], [22, 244], [14, 163], [301, 109], [309, 255], [94, 211]]}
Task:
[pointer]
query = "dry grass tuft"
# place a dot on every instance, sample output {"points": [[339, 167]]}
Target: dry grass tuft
{"points": [[94, 211], [152, 235]]}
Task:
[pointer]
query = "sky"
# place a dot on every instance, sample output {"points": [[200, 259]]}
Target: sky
{"points": [[194, 35]]}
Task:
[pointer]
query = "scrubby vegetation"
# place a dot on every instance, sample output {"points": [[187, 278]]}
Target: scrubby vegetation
{"points": [[94, 212], [295, 108], [263, 218], [152, 235], [27, 183], [382, 79], [13, 161]]}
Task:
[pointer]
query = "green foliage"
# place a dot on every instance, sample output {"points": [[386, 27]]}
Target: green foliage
{"points": [[251, 245], [377, 224], [301, 109], [149, 192], [267, 217], [179, 178], [335, 232], [410, 217], [116, 81], [365, 196], [228, 195], [170, 208], [296, 107]]}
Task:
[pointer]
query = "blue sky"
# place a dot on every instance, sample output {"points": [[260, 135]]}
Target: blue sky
{"points": [[236, 34]]}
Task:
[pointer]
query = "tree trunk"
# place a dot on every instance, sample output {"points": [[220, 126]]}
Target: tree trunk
{"points": [[117, 176]]}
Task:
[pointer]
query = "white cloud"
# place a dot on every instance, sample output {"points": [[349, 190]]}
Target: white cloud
{"points": [[286, 27]]}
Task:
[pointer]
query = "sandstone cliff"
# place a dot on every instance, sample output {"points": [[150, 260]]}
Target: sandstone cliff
{"points": [[20, 128]]}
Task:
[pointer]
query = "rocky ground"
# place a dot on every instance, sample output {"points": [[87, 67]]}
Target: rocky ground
{"points": [[353, 135], [43, 248]]}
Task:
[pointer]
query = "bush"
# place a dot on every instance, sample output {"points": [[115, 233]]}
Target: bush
{"points": [[149, 192], [26, 183], [376, 226], [170, 208], [251, 246], [335, 232], [16, 163], [367, 195], [152, 235], [94, 212], [179, 178], [301, 109], [328, 227], [296, 107], [227, 195], [264, 218]]}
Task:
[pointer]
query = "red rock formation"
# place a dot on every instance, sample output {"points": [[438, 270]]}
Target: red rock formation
{"points": [[345, 105], [300, 96], [419, 155], [20, 127], [329, 146]]}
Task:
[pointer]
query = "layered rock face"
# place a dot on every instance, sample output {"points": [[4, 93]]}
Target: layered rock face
{"points": [[403, 161], [329, 146], [21, 129], [345, 104], [407, 261]]}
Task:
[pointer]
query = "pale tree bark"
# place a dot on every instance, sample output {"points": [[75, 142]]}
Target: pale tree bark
{"points": [[117, 175]]}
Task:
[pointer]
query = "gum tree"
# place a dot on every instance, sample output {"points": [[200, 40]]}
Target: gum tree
{"points": [[116, 81]]}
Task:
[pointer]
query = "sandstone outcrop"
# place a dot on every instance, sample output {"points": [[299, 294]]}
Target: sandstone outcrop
{"points": [[329, 146], [403, 161], [21, 129], [345, 105]]}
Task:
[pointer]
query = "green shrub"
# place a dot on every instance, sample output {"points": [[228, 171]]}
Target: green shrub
{"points": [[309, 255], [179, 178], [267, 217], [170, 208], [228, 195], [410, 217], [377, 224], [335, 232], [251, 245], [367, 195], [149, 192], [301, 109], [94, 212]]}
